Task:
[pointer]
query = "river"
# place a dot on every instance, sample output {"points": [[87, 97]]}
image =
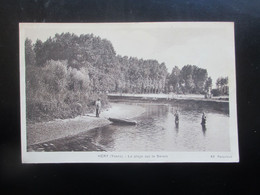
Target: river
{"points": [[156, 131]]}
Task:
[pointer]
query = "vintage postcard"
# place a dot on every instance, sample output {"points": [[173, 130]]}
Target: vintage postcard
{"points": [[128, 92]]}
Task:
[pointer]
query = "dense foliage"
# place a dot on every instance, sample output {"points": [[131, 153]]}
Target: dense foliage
{"points": [[222, 87], [190, 79], [66, 73]]}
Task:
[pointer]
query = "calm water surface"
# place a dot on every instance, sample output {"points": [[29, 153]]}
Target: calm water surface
{"points": [[156, 131]]}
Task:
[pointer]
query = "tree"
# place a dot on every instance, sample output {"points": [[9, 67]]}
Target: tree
{"points": [[174, 79], [55, 76], [29, 53], [208, 84], [78, 80], [187, 79], [222, 85], [199, 76], [192, 79], [39, 53], [67, 69]]}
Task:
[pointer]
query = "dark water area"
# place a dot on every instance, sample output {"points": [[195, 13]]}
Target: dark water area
{"points": [[156, 131], [207, 104]]}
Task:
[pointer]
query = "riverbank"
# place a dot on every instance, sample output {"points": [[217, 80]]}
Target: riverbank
{"points": [[60, 128], [156, 130], [191, 100], [172, 96]]}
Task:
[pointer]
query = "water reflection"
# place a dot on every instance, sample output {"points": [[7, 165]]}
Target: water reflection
{"points": [[204, 129], [177, 126], [157, 131]]}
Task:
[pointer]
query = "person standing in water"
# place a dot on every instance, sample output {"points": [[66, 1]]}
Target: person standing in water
{"points": [[203, 119], [176, 117], [98, 107]]}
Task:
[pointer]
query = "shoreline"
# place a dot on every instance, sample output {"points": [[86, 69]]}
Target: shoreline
{"points": [[217, 105], [191, 97], [41, 132], [37, 133]]}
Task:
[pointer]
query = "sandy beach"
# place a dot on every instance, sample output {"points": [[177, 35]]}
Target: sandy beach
{"points": [[60, 128]]}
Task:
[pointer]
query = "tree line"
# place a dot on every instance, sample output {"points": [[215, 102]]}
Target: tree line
{"points": [[66, 73], [221, 87]]}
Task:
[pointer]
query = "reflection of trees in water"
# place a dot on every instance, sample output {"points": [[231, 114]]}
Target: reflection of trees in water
{"points": [[177, 128], [198, 105], [151, 121], [216, 107], [156, 110]]}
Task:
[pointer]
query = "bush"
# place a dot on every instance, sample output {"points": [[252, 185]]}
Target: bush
{"points": [[56, 91], [215, 92]]}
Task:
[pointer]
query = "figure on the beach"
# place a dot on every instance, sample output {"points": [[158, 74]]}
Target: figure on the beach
{"points": [[203, 119], [98, 107], [176, 118]]}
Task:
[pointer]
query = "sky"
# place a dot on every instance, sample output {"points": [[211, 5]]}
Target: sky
{"points": [[208, 45]]}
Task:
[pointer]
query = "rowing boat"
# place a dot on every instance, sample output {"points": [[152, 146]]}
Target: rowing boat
{"points": [[122, 121]]}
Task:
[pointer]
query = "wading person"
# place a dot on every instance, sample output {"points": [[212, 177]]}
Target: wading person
{"points": [[98, 107], [176, 117], [203, 119]]}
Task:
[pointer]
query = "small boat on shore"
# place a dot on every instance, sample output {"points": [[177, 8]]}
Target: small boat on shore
{"points": [[122, 121]]}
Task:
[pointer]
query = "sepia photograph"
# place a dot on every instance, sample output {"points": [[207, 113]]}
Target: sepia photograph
{"points": [[128, 92]]}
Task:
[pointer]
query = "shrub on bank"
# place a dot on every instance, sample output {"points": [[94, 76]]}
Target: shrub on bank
{"points": [[215, 92], [58, 91]]}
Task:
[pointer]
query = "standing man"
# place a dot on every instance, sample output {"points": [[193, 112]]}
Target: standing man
{"points": [[176, 117], [98, 107], [203, 119]]}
